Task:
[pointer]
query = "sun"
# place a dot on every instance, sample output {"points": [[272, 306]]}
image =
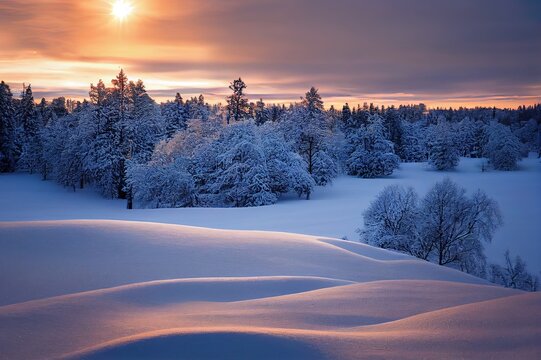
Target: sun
{"points": [[121, 9]]}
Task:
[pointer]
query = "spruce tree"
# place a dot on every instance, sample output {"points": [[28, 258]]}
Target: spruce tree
{"points": [[8, 148]]}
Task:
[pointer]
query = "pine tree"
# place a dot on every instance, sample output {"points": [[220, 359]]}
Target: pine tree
{"points": [[394, 130], [237, 103], [8, 149]]}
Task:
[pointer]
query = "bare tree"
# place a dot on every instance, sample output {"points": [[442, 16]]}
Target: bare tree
{"points": [[513, 274]]}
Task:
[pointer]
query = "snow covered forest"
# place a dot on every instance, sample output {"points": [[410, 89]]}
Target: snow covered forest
{"points": [[187, 153]]}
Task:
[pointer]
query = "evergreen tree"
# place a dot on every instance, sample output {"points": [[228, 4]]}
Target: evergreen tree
{"points": [[237, 176], [369, 153], [346, 114], [175, 116], [394, 130], [237, 103], [286, 169], [8, 148], [307, 129], [261, 113], [442, 148], [503, 148], [413, 142], [31, 145]]}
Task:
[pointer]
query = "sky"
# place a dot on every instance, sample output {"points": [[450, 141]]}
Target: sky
{"points": [[439, 52]]}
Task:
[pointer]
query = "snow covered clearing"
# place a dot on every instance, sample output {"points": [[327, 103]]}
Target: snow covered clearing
{"points": [[335, 211], [81, 277]]}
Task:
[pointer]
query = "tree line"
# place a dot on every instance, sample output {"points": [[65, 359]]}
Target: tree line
{"points": [[189, 153]]}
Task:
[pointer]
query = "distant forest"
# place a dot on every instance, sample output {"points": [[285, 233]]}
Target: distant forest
{"points": [[185, 152]]}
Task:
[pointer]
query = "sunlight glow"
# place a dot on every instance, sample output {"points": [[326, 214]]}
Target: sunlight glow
{"points": [[122, 9]]}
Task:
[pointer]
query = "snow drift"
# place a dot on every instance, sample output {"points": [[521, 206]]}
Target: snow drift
{"points": [[117, 289]]}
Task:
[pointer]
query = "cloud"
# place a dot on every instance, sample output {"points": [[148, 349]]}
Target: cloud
{"points": [[432, 50]]}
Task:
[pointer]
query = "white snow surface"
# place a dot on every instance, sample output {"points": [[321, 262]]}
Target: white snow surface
{"points": [[83, 278], [334, 211], [104, 289]]}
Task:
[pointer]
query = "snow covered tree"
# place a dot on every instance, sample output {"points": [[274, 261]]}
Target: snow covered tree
{"points": [[161, 185], [446, 226], [369, 154], [306, 127], [391, 221], [241, 178], [465, 136], [286, 169], [503, 148], [145, 126], [480, 139], [528, 133], [31, 152], [413, 147], [453, 226], [324, 168], [8, 148], [197, 108], [513, 274], [261, 113], [393, 129], [443, 152], [312, 102], [237, 103], [346, 114], [105, 165], [175, 115]]}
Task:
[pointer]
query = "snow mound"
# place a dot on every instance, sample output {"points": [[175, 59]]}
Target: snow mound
{"points": [[45, 259], [116, 289], [206, 345], [481, 330]]}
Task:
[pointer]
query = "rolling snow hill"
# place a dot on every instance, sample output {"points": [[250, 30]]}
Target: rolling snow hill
{"points": [[99, 289]]}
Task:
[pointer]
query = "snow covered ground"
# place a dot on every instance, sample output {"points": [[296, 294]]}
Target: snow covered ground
{"points": [[96, 289], [334, 211], [135, 285]]}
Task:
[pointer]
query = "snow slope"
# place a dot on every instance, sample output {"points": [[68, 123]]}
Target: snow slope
{"points": [[334, 211], [135, 290], [44, 259]]}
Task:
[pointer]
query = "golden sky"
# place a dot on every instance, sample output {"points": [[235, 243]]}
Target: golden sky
{"points": [[442, 53]]}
